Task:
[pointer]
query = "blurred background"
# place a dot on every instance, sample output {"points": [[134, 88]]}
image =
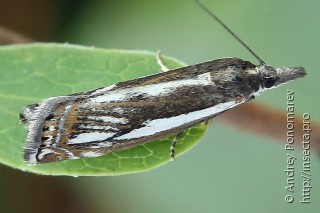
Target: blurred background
{"points": [[230, 170]]}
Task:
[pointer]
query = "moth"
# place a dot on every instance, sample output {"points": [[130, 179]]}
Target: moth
{"points": [[130, 113]]}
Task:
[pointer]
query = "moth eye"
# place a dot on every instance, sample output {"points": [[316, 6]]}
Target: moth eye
{"points": [[269, 82]]}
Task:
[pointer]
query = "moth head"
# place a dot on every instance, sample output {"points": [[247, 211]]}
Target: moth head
{"points": [[272, 77]]}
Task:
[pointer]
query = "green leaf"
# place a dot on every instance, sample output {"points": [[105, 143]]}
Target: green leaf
{"points": [[31, 73]]}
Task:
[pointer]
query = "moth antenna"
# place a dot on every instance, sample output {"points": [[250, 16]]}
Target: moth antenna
{"points": [[229, 30]]}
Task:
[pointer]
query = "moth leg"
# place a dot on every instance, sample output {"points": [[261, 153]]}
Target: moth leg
{"points": [[159, 61], [173, 145]]}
